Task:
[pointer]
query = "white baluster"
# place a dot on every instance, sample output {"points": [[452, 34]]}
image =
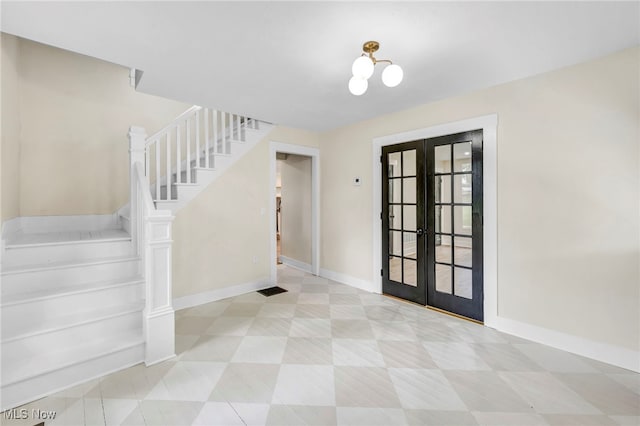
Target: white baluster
{"points": [[197, 139], [223, 120], [156, 150], [215, 131], [178, 173], [238, 136], [168, 179], [206, 138], [147, 155], [188, 136]]}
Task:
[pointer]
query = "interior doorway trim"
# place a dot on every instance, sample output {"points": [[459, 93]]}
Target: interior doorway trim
{"points": [[488, 124], [314, 153]]}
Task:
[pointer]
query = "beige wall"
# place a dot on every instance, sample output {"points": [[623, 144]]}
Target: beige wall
{"points": [[568, 191], [10, 123], [296, 208], [76, 112], [218, 234], [568, 187]]}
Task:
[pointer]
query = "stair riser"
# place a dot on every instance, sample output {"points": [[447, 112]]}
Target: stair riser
{"points": [[53, 307], [29, 390], [44, 254], [183, 176], [14, 350], [71, 276]]}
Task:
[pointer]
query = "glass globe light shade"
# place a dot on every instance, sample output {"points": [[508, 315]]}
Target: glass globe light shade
{"points": [[358, 85], [392, 75], [362, 67]]}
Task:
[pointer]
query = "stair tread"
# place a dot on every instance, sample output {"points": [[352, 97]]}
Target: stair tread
{"points": [[68, 237], [27, 296], [47, 360], [33, 326], [67, 264]]}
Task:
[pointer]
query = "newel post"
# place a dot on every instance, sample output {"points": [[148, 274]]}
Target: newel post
{"points": [[151, 235], [159, 319]]}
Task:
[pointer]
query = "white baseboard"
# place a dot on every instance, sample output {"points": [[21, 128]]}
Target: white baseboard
{"points": [[359, 283], [11, 226], [604, 352], [305, 267], [219, 294]]}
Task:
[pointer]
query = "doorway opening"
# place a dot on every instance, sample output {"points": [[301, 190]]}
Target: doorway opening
{"points": [[293, 210], [294, 207]]}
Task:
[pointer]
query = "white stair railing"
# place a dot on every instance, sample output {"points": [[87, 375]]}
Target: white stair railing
{"points": [[190, 142], [170, 157], [151, 236]]}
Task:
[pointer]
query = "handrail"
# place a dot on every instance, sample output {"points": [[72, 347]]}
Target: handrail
{"points": [[181, 117], [143, 188]]}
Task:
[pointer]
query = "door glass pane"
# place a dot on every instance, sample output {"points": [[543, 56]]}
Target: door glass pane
{"points": [[410, 272], [462, 251], [443, 248], [443, 278], [442, 159], [395, 243], [395, 269], [409, 163], [443, 189], [395, 217], [462, 188], [443, 219], [409, 190], [462, 218], [410, 247], [395, 192], [462, 157], [409, 213], [394, 164], [463, 283]]}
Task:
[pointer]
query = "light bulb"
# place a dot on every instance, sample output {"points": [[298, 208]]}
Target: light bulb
{"points": [[362, 67], [392, 75], [358, 85]]}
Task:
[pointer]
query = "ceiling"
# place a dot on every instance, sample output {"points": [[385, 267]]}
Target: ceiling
{"points": [[289, 62]]}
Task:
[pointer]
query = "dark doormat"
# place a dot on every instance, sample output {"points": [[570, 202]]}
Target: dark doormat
{"points": [[271, 291]]}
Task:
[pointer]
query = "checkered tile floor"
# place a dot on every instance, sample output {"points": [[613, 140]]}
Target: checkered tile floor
{"points": [[325, 353]]}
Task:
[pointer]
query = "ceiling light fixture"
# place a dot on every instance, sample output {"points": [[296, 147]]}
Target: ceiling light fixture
{"points": [[363, 68]]}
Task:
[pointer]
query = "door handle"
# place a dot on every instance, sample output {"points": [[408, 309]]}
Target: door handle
{"points": [[420, 232]]}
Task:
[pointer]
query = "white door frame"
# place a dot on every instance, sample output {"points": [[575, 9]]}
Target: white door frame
{"points": [[314, 153], [489, 125]]}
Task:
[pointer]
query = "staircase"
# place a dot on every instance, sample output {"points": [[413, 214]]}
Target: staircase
{"points": [[71, 307], [82, 298]]}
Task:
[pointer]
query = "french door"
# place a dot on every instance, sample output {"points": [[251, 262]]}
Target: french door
{"points": [[403, 219], [432, 222]]}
